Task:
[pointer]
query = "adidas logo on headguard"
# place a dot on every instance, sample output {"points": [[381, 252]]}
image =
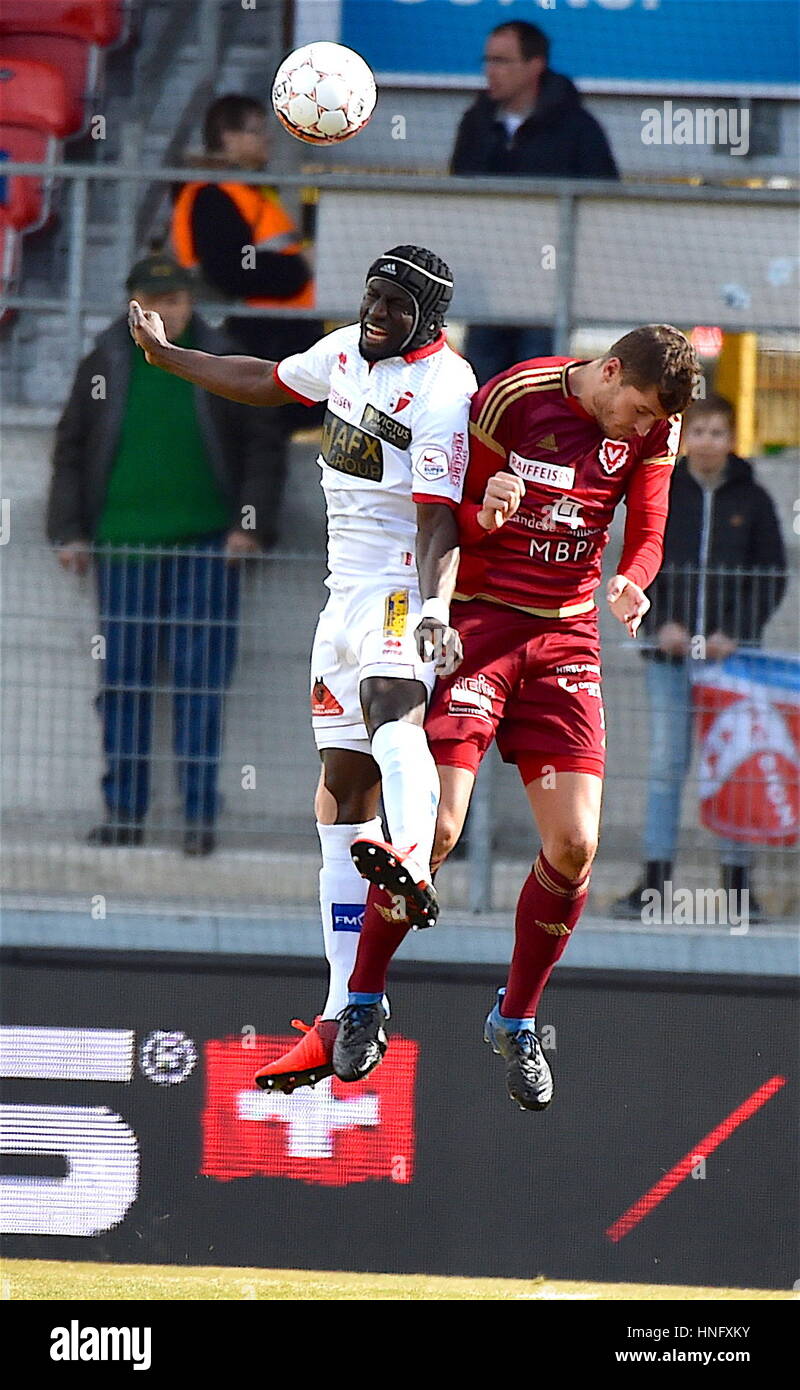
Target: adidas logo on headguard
{"points": [[389, 268]]}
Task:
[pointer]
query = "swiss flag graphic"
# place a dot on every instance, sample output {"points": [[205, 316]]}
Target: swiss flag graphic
{"points": [[333, 1134]]}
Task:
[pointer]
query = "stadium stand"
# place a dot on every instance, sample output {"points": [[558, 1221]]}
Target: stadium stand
{"points": [[35, 117], [70, 38]]}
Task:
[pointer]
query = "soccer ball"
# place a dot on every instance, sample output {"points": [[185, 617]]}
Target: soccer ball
{"points": [[323, 93]]}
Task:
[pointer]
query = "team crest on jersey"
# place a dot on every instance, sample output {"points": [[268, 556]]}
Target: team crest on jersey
{"points": [[613, 454], [385, 427], [399, 400], [349, 449]]}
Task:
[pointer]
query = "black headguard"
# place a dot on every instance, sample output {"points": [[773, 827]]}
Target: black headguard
{"points": [[427, 280]]}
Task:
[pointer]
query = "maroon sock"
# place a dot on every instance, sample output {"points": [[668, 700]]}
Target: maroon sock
{"points": [[549, 907], [380, 937]]}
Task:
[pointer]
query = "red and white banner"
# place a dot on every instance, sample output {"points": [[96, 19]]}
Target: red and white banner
{"points": [[333, 1134], [748, 713]]}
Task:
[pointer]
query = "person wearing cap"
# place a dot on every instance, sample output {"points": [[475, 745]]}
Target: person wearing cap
{"points": [[164, 486], [393, 457]]}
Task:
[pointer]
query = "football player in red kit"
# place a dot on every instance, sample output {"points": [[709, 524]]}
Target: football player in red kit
{"points": [[555, 445]]}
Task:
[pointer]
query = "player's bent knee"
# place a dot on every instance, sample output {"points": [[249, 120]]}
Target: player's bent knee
{"points": [[448, 833], [572, 855]]}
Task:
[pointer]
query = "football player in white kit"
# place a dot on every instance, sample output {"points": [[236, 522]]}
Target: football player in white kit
{"points": [[393, 457]]}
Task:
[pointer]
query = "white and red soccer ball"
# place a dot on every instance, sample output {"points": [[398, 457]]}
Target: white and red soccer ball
{"points": [[323, 93]]}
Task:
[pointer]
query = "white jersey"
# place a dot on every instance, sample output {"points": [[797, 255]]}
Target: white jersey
{"points": [[395, 433]]}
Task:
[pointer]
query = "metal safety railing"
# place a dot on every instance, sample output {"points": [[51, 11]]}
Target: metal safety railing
{"points": [[567, 197]]}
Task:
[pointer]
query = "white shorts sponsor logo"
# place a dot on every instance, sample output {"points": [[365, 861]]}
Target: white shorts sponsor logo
{"points": [[537, 471], [431, 464], [613, 454]]}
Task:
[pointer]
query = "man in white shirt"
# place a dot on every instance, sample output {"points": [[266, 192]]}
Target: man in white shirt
{"points": [[393, 457]]}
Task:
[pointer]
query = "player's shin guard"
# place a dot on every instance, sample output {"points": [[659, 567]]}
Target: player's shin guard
{"points": [[342, 895], [380, 937], [410, 788], [549, 907]]}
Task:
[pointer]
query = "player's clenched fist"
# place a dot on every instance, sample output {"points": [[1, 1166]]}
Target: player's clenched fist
{"points": [[504, 492], [147, 329], [627, 602]]}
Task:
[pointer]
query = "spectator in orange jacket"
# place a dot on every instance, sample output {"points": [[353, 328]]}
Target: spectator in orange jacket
{"points": [[246, 246]]}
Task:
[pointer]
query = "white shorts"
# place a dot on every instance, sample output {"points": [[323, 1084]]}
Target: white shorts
{"points": [[364, 630]]}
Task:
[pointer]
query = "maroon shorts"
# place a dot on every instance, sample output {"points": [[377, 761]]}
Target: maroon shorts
{"points": [[533, 683]]}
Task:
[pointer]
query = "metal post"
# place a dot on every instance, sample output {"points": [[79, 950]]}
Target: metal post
{"points": [[479, 860], [76, 265], [131, 140], [565, 269], [208, 35]]}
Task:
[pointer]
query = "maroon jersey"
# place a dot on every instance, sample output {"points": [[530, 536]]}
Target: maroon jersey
{"points": [[546, 559]]}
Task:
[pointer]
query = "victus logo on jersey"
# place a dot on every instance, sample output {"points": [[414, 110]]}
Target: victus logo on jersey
{"points": [[330, 1135], [392, 431]]}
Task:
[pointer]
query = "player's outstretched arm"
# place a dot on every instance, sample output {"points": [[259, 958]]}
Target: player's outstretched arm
{"points": [[248, 380]]}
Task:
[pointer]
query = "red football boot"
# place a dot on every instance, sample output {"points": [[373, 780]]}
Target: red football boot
{"points": [[394, 870], [309, 1061]]}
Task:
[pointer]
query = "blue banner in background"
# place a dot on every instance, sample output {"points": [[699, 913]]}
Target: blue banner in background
{"points": [[714, 43]]}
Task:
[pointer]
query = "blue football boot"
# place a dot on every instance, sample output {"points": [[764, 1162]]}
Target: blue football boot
{"points": [[529, 1079]]}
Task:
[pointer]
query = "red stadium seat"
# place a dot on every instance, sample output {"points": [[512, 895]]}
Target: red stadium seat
{"points": [[67, 34], [34, 110], [33, 94], [93, 21], [26, 202], [77, 61]]}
